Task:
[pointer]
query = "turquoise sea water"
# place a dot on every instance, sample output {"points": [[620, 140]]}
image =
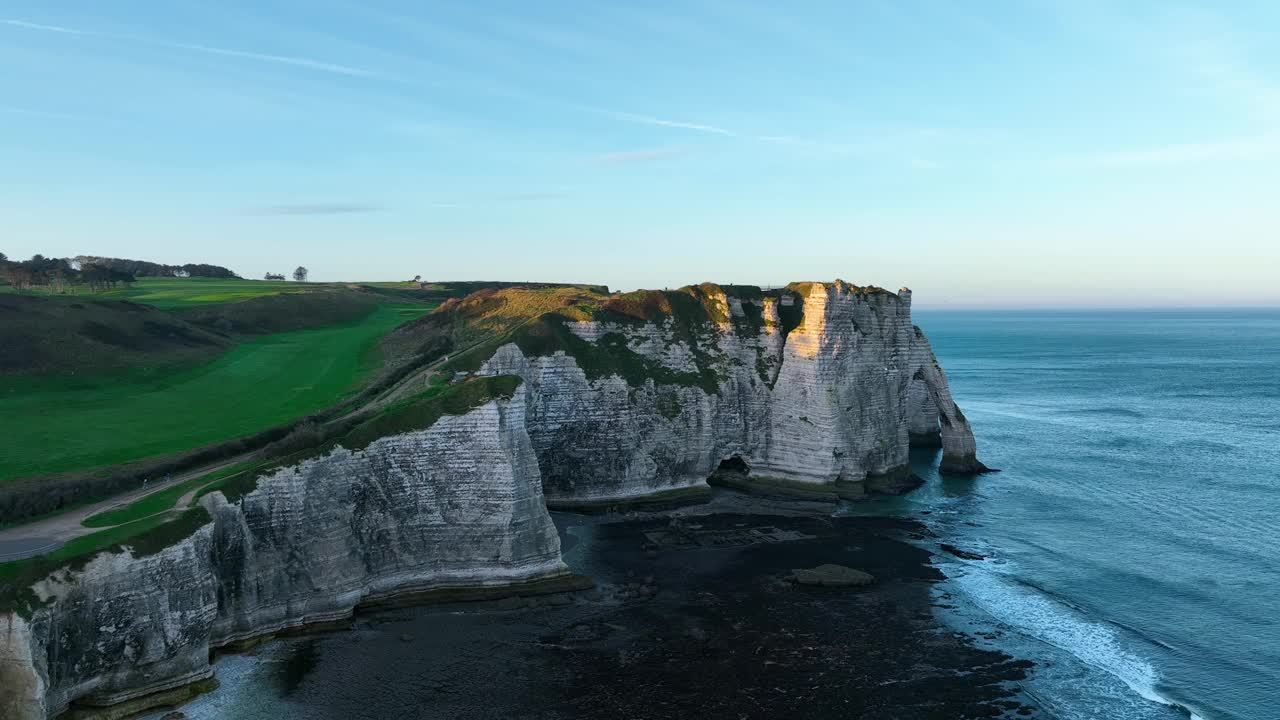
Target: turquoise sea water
{"points": [[1133, 539]]}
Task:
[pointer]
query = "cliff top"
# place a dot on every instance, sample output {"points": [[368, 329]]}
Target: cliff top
{"points": [[151, 534], [494, 311], [539, 322]]}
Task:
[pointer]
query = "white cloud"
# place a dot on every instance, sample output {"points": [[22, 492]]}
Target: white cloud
{"points": [[647, 120], [46, 28], [301, 62]]}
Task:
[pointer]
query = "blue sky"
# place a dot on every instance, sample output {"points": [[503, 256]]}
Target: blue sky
{"points": [[1029, 153]]}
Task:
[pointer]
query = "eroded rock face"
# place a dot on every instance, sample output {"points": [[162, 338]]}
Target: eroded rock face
{"points": [[817, 390], [458, 505], [823, 406]]}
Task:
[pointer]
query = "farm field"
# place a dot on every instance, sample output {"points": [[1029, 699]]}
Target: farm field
{"points": [[179, 293], [182, 293], [59, 423]]}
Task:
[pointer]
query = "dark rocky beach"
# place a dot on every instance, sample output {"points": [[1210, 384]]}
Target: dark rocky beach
{"points": [[695, 614]]}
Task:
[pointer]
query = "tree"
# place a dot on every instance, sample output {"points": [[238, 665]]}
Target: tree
{"points": [[300, 274], [3, 258]]}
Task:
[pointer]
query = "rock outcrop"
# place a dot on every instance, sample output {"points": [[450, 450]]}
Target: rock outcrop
{"points": [[816, 390], [456, 506]]}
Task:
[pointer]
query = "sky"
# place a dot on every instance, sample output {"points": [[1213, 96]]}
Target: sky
{"points": [[1028, 153]]}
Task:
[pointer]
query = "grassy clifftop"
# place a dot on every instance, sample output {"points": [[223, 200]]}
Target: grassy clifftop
{"points": [[146, 534], [538, 321]]}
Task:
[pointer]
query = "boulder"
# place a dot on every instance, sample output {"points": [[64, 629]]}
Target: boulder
{"points": [[832, 576]]}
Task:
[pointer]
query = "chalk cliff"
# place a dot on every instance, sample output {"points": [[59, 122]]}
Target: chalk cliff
{"points": [[572, 398], [457, 505], [816, 389]]}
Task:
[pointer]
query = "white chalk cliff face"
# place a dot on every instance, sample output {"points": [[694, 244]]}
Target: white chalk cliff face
{"points": [[457, 505], [817, 390]]}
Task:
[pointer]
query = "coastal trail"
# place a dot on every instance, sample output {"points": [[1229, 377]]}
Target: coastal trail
{"points": [[48, 534]]}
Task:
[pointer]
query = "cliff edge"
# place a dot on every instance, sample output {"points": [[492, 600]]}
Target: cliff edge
{"points": [[561, 396], [440, 495], [815, 389]]}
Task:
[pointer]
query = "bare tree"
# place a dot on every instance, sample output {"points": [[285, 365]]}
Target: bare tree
{"points": [[300, 274]]}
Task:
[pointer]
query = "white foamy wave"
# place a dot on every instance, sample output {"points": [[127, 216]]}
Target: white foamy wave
{"points": [[1038, 615]]}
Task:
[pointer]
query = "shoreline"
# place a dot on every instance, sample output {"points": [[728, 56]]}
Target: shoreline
{"points": [[692, 614]]}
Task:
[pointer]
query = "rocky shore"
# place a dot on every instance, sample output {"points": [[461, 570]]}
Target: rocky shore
{"points": [[813, 392], [696, 618]]}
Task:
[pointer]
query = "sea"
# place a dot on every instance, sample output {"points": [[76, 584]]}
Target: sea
{"points": [[1130, 547], [1131, 543]]}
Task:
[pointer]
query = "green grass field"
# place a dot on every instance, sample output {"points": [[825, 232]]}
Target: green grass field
{"points": [[179, 293], [60, 423]]}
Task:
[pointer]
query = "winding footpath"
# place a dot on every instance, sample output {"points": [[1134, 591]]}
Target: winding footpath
{"points": [[50, 533]]}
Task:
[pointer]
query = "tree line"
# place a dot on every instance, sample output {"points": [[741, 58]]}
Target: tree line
{"points": [[61, 275], [58, 275], [142, 268]]}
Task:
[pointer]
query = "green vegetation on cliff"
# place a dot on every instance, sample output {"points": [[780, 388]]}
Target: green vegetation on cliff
{"points": [[144, 537], [539, 325], [153, 530], [694, 316], [418, 412]]}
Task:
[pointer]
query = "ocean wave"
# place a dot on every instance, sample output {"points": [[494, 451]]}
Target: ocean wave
{"points": [[1037, 614]]}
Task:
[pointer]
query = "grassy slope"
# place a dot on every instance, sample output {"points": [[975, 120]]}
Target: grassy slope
{"points": [[179, 293], [146, 529], [55, 424], [41, 334]]}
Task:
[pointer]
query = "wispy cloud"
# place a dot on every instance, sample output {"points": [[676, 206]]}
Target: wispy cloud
{"points": [[36, 113], [773, 139], [47, 28], [299, 62], [1183, 153], [334, 208], [266, 57], [661, 122], [639, 156]]}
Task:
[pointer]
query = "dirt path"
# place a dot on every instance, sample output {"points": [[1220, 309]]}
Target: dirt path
{"points": [[46, 535], [49, 534]]}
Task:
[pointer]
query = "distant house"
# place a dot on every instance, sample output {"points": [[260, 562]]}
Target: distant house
{"points": [[181, 273], [274, 276]]}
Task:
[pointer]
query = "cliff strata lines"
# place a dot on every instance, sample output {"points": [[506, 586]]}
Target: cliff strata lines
{"points": [[457, 505], [816, 390], [562, 396]]}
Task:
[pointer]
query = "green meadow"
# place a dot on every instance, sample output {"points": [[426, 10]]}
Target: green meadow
{"points": [[51, 424], [179, 293]]}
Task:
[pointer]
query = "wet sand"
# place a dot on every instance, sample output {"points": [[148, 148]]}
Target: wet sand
{"points": [[692, 618]]}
